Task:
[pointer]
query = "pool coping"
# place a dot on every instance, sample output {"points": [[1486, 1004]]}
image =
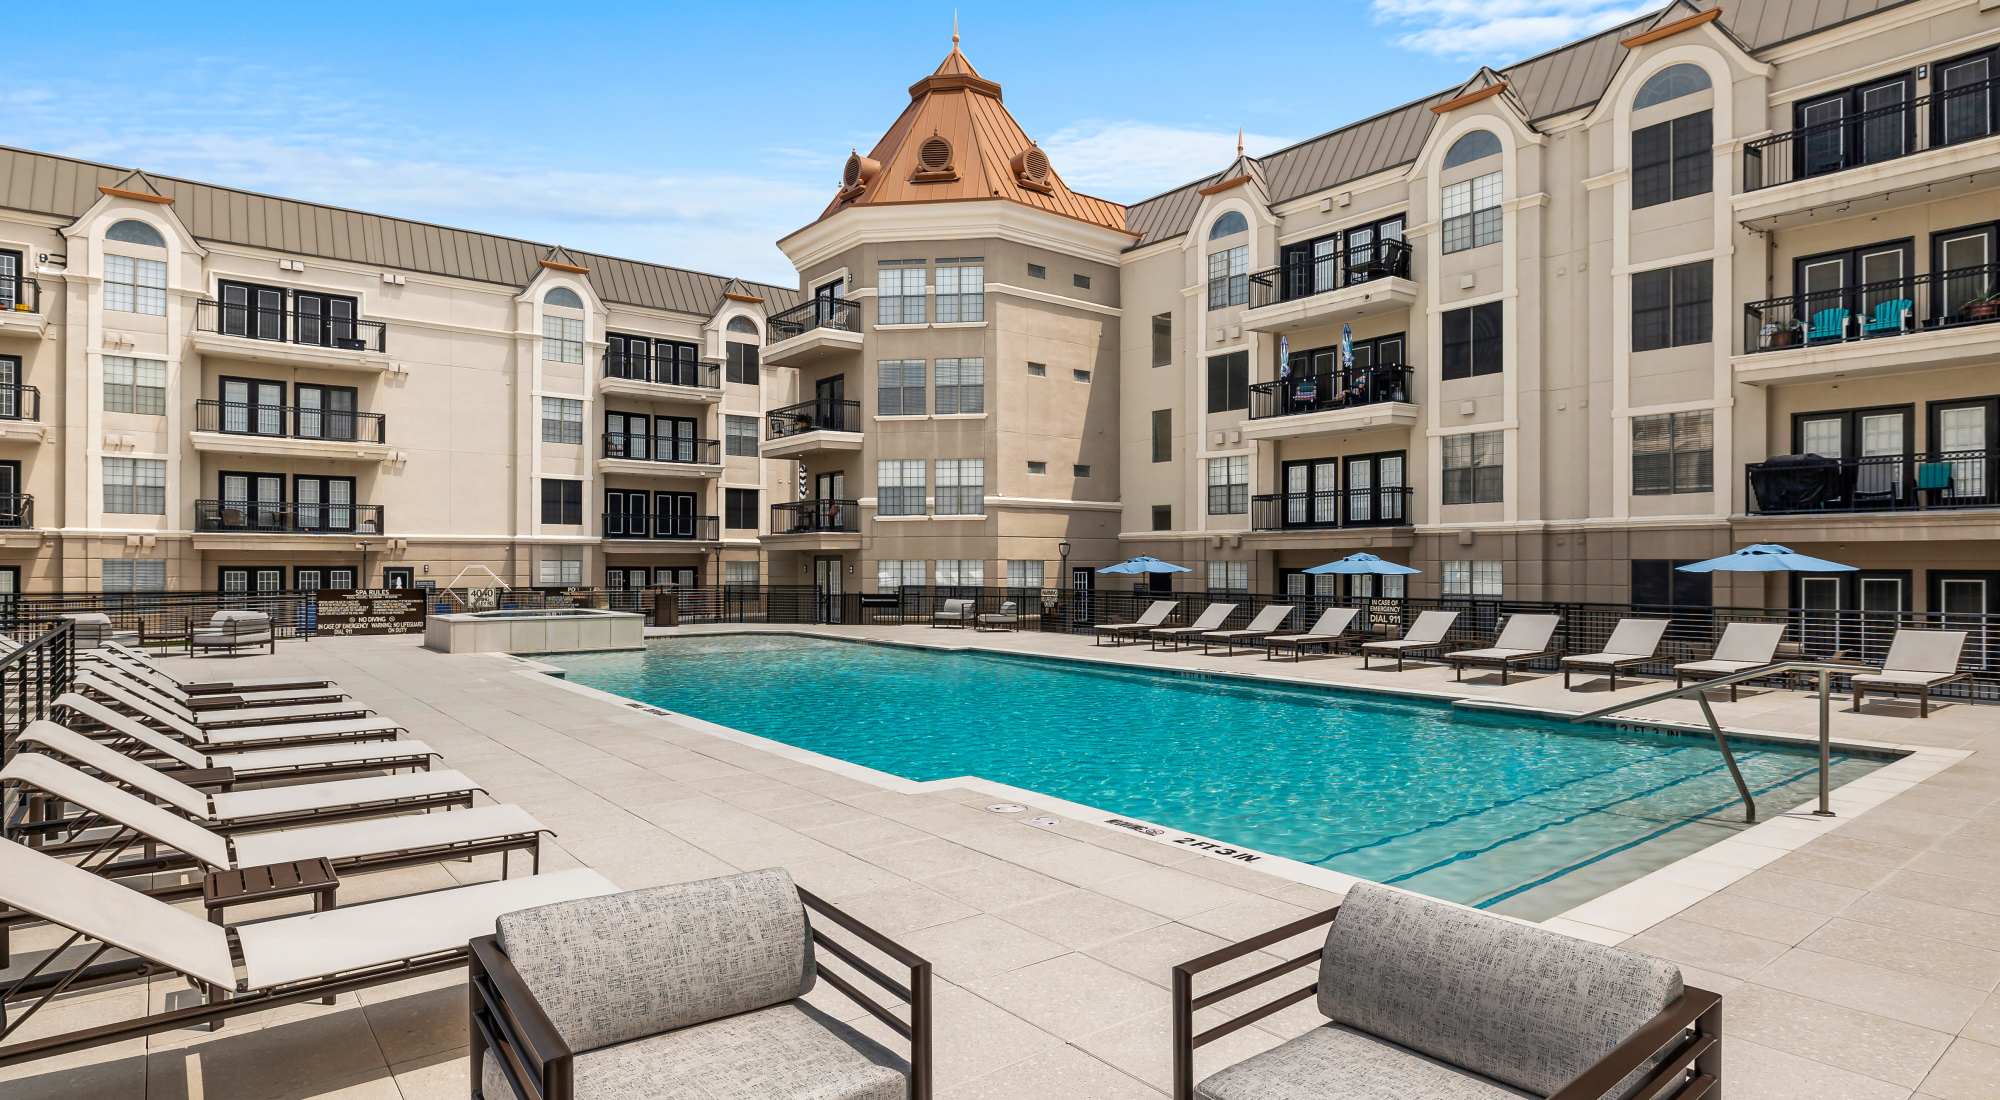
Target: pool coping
{"points": [[1609, 918]]}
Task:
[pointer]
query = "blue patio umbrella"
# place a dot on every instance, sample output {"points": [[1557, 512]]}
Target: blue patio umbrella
{"points": [[1363, 564], [1766, 557], [1145, 564]]}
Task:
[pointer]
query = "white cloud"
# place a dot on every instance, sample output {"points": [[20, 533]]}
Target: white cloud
{"points": [[1496, 32], [1127, 160]]}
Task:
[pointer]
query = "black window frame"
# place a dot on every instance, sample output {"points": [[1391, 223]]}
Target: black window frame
{"points": [[741, 361], [1673, 307], [1662, 578], [1163, 435], [562, 498], [1467, 356], [1163, 517], [1229, 387], [1700, 480], [740, 509], [1673, 160], [1475, 482]]}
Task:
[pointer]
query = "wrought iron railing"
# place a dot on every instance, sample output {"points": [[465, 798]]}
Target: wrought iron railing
{"points": [[1386, 506], [1305, 276], [287, 517], [1311, 392], [1797, 484], [695, 374], [20, 403], [1871, 137], [1868, 311], [841, 314], [818, 415], [673, 526], [290, 326], [19, 294], [815, 516], [17, 511], [288, 421], [660, 448]]}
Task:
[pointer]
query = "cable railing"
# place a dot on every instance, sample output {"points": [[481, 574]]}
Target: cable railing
{"points": [[32, 674], [1304, 276], [662, 371], [640, 447], [1325, 391], [1801, 484], [822, 414], [290, 326], [1947, 117], [1383, 506], [839, 314], [288, 421], [287, 517], [1869, 311]]}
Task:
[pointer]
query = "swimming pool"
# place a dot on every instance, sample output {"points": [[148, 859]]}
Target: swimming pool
{"points": [[1522, 814]]}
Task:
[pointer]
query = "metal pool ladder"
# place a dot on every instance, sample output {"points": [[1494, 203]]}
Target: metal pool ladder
{"points": [[1823, 671]]}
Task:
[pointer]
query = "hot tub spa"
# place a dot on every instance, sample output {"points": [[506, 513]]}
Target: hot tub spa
{"points": [[553, 630]]}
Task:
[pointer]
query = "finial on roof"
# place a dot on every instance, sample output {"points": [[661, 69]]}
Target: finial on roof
{"points": [[954, 28], [1239, 141]]}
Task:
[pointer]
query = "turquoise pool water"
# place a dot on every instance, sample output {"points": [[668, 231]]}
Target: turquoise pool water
{"points": [[1518, 813]]}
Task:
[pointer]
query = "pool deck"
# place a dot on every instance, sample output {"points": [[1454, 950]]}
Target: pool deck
{"points": [[1859, 957]]}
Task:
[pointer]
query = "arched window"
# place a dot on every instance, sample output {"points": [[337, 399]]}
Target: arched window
{"points": [[1476, 145], [1672, 82], [1228, 225], [135, 232], [562, 296], [743, 325]]}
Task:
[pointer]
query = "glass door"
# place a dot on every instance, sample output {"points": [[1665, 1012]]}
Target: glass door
{"points": [[1963, 463], [1962, 266], [10, 387], [826, 302], [1822, 298], [626, 435], [673, 515], [1375, 485], [674, 576], [1822, 148], [1885, 124], [826, 584], [10, 279], [253, 407], [1312, 493], [257, 312], [1964, 99], [673, 439], [1883, 473], [1882, 599], [13, 511], [1885, 298], [325, 412], [1819, 608], [829, 489], [253, 501]]}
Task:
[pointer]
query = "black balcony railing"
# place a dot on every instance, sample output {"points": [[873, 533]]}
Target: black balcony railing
{"points": [[19, 294], [288, 422], [17, 511], [841, 314], [1798, 484], [819, 415], [1387, 506], [677, 526], [287, 517], [1305, 276], [291, 326], [1309, 392], [804, 517], [1870, 137], [1866, 311], [661, 448], [701, 375], [20, 403]]}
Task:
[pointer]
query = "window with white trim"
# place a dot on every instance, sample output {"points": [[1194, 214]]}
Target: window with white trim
{"points": [[739, 574], [559, 572], [135, 575], [1229, 576], [1672, 306], [133, 285], [899, 487], [562, 339], [739, 436], [135, 385], [562, 420], [961, 486], [1673, 453], [899, 292], [961, 290], [961, 573], [1025, 574], [1471, 578], [1475, 467], [1471, 210], [961, 386], [135, 486], [899, 387], [1229, 485], [891, 575], [1229, 277]]}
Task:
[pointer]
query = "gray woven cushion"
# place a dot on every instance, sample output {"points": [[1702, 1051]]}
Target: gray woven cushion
{"points": [[1511, 1001], [624, 966], [787, 1052], [237, 615], [1335, 1063]]}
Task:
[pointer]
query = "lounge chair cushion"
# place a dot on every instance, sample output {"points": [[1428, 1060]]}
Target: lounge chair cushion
{"points": [[1894, 678], [1495, 654], [1603, 660], [1334, 1061], [790, 1050], [227, 616], [1924, 651], [618, 968], [1524, 1005], [1719, 668]]}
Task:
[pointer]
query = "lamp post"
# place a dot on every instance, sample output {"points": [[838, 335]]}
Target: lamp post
{"points": [[1063, 549]]}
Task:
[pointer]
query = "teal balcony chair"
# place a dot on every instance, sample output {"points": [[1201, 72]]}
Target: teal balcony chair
{"points": [[1827, 324], [1892, 316]]}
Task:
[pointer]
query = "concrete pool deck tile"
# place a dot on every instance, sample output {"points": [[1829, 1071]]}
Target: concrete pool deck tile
{"points": [[1692, 943], [1903, 951], [1767, 1073], [1968, 1071], [926, 857], [1927, 920], [1846, 1038], [978, 945], [1080, 918], [1939, 1006], [1170, 892], [997, 886], [1072, 995], [1765, 920], [1059, 1074], [1637, 906], [1133, 1047]]}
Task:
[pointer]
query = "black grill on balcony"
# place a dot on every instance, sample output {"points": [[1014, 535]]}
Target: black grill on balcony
{"points": [[672, 527], [288, 422], [287, 517], [1943, 118], [697, 374], [805, 517], [658, 448], [1305, 276], [841, 314], [20, 403], [1867, 311], [17, 511], [1801, 484], [1310, 392], [820, 415], [1388, 506], [290, 326], [19, 294]]}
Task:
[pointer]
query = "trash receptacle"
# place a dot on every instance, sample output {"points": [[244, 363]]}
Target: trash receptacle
{"points": [[667, 608]]}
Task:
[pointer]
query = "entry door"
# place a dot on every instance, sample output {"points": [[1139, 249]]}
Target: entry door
{"points": [[1820, 603], [1882, 478], [12, 511], [1964, 101], [239, 580], [1375, 486], [324, 319], [673, 438], [252, 406], [1962, 266], [1883, 598], [1312, 493], [10, 385], [673, 515], [254, 501], [826, 583], [326, 412], [828, 393], [1822, 289], [674, 576], [1964, 452], [1823, 147], [398, 577], [626, 435], [324, 503], [626, 512], [254, 311], [826, 301], [1885, 128], [10, 279], [828, 490]]}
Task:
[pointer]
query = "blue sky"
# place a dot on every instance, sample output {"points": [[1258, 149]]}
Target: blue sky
{"points": [[697, 135]]}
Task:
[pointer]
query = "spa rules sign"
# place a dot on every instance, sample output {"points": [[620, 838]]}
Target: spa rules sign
{"points": [[371, 611]]}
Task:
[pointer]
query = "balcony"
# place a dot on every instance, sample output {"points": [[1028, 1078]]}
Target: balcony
{"points": [[812, 330], [817, 517], [660, 379], [21, 414], [286, 518], [823, 424], [1919, 323], [226, 427], [660, 456], [290, 337], [17, 512], [1309, 404], [1339, 286], [678, 527], [1930, 148], [21, 308], [1954, 494]]}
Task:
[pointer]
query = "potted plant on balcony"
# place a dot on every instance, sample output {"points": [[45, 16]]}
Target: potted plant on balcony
{"points": [[1781, 335], [1983, 309]]}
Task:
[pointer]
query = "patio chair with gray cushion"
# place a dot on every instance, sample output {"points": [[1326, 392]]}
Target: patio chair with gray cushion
{"points": [[693, 989], [1423, 998], [1744, 646], [1267, 622], [1918, 661], [1211, 618], [954, 613], [1324, 634], [1424, 635], [1155, 614], [1007, 618], [1632, 643], [1523, 639], [233, 632]]}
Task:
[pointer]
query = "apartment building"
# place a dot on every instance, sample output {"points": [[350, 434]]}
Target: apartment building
{"points": [[202, 388]]}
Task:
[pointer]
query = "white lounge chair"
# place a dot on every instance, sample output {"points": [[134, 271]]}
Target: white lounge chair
{"points": [[1007, 618], [1211, 618], [1266, 623], [1744, 646], [1326, 633], [116, 664], [1427, 633], [219, 687], [1918, 661], [1523, 639], [285, 960], [90, 681], [954, 612], [244, 737], [129, 734], [1155, 614], [1632, 642]]}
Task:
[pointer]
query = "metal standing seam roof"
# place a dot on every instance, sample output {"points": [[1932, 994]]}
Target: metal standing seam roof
{"points": [[45, 183], [1562, 80]]}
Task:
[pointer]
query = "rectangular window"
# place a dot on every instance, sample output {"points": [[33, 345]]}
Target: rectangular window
{"points": [[1163, 517], [1229, 576], [562, 339], [135, 486], [1229, 381], [562, 500], [739, 574], [135, 385], [899, 293], [961, 386], [899, 487], [1163, 339], [1163, 435], [1672, 160], [739, 509], [1037, 271], [899, 387], [1658, 582], [1038, 467], [1081, 282], [1079, 471], [965, 572], [1472, 341], [961, 487], [742, 362], [1080, 376], [1229, 485], [891, 575], [1025, 574], [1671, 307], [559, 572], [961, 291], [562, 420], [135, 575], [1038, 370], [1471, 211], [1229, 277], [133, 285], [739, 436], [1474, 468], [1673, 453], [1471, 578]]}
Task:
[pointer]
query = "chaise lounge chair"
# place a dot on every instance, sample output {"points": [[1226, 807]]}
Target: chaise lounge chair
{"points": [[217, 687], [152, 683], [242, 737], [1427, 633], [1007, 618], [1523, 639], [1211, 618], [1744, 646], [691, 990], [1155, 614], [131, 736], [1267, 622], [1633, 642], [1918, 661], [954, 613], [1326, 633], [1423, 998], [95, 680]]}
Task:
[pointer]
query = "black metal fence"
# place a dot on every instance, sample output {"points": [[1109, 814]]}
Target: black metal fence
{"points": [[288, 421], [1839, 140], [642, 447], [290, 326], [1871, 311], [802, 517], [37, 667], [19, 295], [840, 314], [20, 403], [1382, 506], [1303, 276], [823, 414], [161, 618], [662, 370], [1325, 391], [287, 517], [1797, 484]]}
